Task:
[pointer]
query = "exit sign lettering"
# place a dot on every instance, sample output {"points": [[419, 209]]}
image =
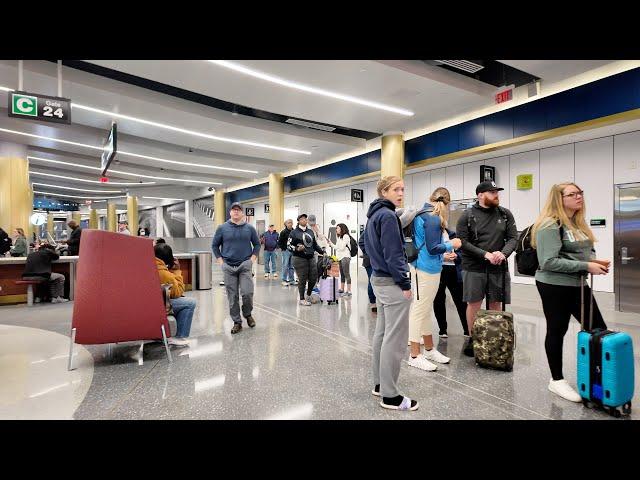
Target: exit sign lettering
{"points": [[504, 96]]}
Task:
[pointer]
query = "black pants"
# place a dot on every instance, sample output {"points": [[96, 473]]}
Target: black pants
{"points": [[559, 303], [449, 279], [307, 272]]}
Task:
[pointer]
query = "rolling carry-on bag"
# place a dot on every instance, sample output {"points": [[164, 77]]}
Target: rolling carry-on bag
{"points": [[494, 336], [329, 290], [605, 365]]}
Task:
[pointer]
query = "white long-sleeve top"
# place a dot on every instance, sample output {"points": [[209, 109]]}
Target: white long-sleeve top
{"points": [[342, 247]]}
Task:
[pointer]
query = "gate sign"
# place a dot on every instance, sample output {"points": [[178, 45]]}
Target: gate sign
{"points": [[266, 208], [357, 195], [249, 211], [39, 107]]}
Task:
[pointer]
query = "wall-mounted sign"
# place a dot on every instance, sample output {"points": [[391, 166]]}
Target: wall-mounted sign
{"points": [[361, 229], [266, 208], [504, 96], [39, 107], [598, 222], [487, 173], [524, 181], [38, 219], [110, 148], [357, 195], [249, 212]]}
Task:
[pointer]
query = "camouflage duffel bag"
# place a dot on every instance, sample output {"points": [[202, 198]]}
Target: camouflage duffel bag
{"points": [[494, 339]]}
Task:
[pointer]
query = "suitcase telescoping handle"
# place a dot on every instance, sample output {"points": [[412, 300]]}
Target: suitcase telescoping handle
{"points": [[582, 282]]}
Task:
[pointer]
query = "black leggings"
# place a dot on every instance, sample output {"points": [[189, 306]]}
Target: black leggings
{"points": [[449, 279], [307, 271], [559, 303]]}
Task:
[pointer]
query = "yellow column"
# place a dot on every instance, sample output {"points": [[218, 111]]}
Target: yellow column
{"points": [[76, 217], [392, 155], [219, 209], [50, 227], [132, 214], [276, 200], [93, 218], [16, 196], [112, 221]]}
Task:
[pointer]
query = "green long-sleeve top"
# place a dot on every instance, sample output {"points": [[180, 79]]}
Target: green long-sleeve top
{"points": [[562, 261], [19, 248]]}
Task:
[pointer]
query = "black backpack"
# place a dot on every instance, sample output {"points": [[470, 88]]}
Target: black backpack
{"points": [[353, 247], [526, 255], [410, 249]]}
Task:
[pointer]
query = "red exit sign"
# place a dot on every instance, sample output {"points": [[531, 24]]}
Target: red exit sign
{"points": [[504, 96]]}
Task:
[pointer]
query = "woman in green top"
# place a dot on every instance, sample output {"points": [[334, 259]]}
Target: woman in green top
{"points": [[564, 244], [19, 248]]}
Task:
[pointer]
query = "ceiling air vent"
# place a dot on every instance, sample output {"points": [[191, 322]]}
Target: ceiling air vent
{"points": [[464, 65], [317, 126]]}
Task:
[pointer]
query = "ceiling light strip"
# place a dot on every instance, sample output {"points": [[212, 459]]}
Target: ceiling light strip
{"points": [[163, 198], [76, 189], [77, 196], [76, 179], [306, 88]]}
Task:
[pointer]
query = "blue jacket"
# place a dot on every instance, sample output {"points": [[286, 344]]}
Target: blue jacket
{"points": [[238, 242], [270, 240], [384, 243], [428, 239]]}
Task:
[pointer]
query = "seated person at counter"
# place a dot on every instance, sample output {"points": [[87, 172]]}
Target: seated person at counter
{"points": [[38, 267], [20, 246], [183, 307]]}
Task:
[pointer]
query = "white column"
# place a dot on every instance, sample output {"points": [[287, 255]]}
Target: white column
{"points": [[188, 219], [159, 232]]}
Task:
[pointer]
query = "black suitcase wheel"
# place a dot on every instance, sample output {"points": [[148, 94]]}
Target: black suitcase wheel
{"points": [[587, 403], [626, 408], [614, 412]]}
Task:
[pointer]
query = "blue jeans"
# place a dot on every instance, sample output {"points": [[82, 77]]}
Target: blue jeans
{"points": [[270, 258], [287, 266], [372, 296], [183, 309]]}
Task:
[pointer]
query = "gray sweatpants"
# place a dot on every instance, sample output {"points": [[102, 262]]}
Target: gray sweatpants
{"points": [[238, 280], [391, 335]]}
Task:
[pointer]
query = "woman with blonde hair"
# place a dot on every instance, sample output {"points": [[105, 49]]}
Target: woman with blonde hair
{"points": [[564, 246], [384, 244], [429, 227]]}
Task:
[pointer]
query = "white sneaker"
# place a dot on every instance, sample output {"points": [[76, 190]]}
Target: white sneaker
{"points": [[563, 389], [62, 300], [54, 300], [266, 275], [306, 303], [285, 284], [435, 356], [178, 341], [275, 275], [221, 283], [36, 300], [422, 363]]}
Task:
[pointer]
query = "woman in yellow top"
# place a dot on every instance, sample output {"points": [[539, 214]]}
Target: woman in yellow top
{"points": [[183, 307]]}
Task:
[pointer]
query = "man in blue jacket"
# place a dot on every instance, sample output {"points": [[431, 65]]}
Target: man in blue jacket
{"points": [[236, 246], [270, 240]]}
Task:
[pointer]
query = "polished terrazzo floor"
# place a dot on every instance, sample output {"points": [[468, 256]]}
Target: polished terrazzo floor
{"points": [[298, 363]]}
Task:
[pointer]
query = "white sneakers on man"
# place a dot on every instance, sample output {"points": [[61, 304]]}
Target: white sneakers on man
{"points": [[422, 363], [563, 389], [59, 300], [182, 342], [435, 356]]}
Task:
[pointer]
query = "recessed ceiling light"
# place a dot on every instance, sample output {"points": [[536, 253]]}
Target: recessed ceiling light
{"points": [[124, 173], [163, 198], [306, 88], [76, 179], [77, 189]]}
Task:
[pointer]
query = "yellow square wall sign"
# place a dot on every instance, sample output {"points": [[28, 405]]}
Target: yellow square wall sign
{"points": [[525, 181]]}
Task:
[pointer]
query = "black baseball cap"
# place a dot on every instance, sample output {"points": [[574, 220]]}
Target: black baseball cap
{"points": [[236, 205], [487, 187], [302, 215]]}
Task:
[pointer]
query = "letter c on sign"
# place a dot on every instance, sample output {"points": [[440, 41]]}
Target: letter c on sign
{"points": [[25, 105]]}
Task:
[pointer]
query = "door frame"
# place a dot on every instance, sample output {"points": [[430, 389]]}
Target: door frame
{"points": [[616, 245]]}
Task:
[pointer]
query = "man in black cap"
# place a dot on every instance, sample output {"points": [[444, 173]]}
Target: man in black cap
{"points": [[236, 246], [302, 244], [489, 235]]}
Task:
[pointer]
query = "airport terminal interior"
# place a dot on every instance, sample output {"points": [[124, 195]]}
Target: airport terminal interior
{"points": [[143, 206]]}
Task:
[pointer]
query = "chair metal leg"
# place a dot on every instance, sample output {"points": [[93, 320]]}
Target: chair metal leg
{"points": [[73, 341], [141, 354], [166, 344]]}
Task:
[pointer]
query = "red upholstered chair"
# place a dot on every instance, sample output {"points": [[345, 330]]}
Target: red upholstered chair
{"points": [[118, 297]]}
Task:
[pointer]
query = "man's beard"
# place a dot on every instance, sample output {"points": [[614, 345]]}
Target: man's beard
{"points": [[492, 203]]}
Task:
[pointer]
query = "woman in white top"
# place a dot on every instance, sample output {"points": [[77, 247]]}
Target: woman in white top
{"points": [[343, 252]]}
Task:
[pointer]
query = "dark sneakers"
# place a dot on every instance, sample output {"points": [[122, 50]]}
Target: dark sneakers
{"points": [[468, 349], [250, 321], [236, 328]]}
